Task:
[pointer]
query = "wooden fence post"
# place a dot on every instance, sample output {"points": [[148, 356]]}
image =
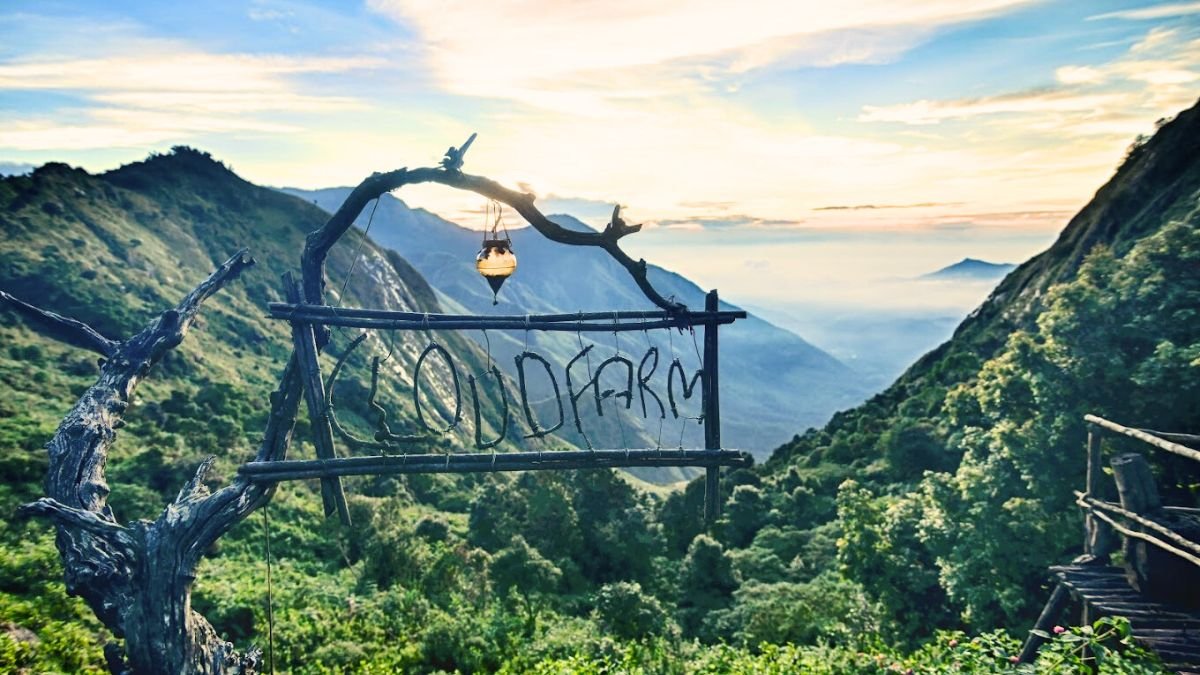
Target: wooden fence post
{"points": [[1139, 494], [304, 339], [712, 413], [1099, 539]]}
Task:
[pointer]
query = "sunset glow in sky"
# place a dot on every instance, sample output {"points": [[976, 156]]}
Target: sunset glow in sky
{"points": [[947, 127]]}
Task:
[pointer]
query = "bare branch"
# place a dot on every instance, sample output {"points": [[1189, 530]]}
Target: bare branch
{"points": [[68, 330], [320, 241], [168, 331], [79, 519], [453, 161], [195, 489]]}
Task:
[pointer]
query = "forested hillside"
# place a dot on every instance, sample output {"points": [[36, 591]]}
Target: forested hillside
{"points": [[935, 505], [948, 494]]}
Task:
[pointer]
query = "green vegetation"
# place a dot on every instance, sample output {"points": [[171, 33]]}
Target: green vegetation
{"points": [[881, 543]]}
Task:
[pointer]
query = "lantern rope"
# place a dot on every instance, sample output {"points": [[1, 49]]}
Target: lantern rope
{"points": [[588, 359], [617, 352], [662, 417], [270, 603], [357, 253]]}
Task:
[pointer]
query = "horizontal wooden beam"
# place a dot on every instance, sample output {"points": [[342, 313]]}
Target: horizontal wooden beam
{"points": [[1144, 437], [272, 472], [698, 316], [1172, 436], [1097, 507], [605, 322]]}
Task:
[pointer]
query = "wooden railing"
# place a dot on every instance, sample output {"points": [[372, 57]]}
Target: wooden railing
{"points": [[1137, 492], [1140, 518]]}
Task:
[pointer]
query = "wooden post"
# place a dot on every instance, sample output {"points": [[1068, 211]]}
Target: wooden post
{"points": [[304, 339], [1050, 613], [1139, 494], [1135, 484], [712, 413], [1099, 539]]}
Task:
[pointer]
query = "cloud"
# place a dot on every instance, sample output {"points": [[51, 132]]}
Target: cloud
{"points": [[161, 96], [15, 168], [126, 129], [1152, 12], [558, 55], [715, 205], [158, 69], [1044, 100], [229, 102], [873, 207], [725, 222], [1078, 75], [1156, 74]]}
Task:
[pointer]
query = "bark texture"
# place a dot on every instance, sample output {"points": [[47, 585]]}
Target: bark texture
{"points": [[138, 578]]}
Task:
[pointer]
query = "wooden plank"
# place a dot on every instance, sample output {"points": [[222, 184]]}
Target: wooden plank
{"points": [[1087, 569], [1110, 596], [1183, 632], [1097, 583], [1188, 656], [1166, 643], [1141, 622], [1134, 609]]}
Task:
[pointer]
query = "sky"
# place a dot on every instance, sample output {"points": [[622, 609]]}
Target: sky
{"points": [[790, 151]]}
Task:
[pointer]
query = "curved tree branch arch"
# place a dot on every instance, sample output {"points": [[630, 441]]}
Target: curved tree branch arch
{"points": [[137, 578], [450, 174]]}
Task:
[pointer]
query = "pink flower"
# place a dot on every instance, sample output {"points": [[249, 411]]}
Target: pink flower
{"points": [[1059, 630], [1014, 659], [954, 643]]}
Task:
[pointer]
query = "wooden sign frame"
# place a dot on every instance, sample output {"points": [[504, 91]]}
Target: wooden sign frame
{"points": [[310, 319]]}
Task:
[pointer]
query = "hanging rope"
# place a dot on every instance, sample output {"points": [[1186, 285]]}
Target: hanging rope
{"points": [[617, 352], [270, 601], [674, 358], [357, 253], [587, 355], [354, 263], [495, 207], [661, 418]]}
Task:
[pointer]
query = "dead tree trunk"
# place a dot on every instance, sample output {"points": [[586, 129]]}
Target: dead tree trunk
{"points": [[138, 578]]}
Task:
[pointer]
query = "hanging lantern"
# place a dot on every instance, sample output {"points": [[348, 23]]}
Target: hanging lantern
{"points": [[496, 261]]}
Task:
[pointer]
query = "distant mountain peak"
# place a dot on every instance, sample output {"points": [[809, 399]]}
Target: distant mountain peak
{"points": [[971, 268], [181, 163], [570, 222]]}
